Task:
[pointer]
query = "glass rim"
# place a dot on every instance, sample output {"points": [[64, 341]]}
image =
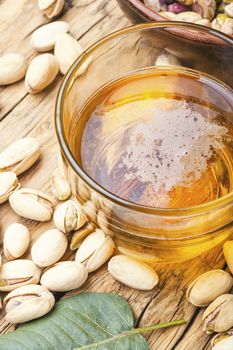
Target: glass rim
{"points": [[59, 128]]}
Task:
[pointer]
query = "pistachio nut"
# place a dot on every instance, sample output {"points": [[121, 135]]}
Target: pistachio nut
{"points": [[156, 5], [66, 50], [51, 8], [69, 216], [90, 210], [169, 15], [49, 248], [64, 276], [27, 303], [95, 250], [81, 234], [188, 16], [8, 184], [60, 186], [208, 286], [228, 254], [167, 59], [224, 344], [12, 68], [20, 155], [132, 273], [218, 317], [206, 8], [229, 10], [44, 38], [32, 204], [41, 73], [221, 336], [17, 273], [16, 241]]}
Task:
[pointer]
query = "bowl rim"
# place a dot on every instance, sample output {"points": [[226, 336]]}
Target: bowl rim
{"points": [[65, 149]]}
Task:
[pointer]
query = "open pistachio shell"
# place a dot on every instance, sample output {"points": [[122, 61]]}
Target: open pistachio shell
{"points": [[17, 273], [60, 185], [208, 286], [20, 155], [218, 317], [32, 204], [8, 184], [27, 303], [225, 344], [81, 234], [69, 216], [51, 8]]}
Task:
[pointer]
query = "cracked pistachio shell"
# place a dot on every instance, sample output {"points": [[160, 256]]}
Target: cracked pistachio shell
{"points": [[188, 16], [228, 254], [224, 344], [20, 155], [51, 8], [132, 273], [44, 38], [64, 276], [208, 286], [16, 241], [27, 303], [60, 186], [67, 50], [221, 336], [41, 72], [206, 8], [49, 248], [90, 210], [69, 216], [218, 317], [17, 273], [81, 234], [12, 68], [8, 184], [32, 204], [167, 59], [95, 250]]}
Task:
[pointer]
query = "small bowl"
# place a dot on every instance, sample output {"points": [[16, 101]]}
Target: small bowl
{"points": [[138, 12]]}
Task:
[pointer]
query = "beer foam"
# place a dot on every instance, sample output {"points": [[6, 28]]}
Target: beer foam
{"points": [[172, 146]]}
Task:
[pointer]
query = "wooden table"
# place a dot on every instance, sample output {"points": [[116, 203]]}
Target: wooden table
{"points": [[22, 115]]}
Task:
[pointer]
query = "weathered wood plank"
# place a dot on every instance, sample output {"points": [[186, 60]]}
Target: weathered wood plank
{"points": [[24, 114]]}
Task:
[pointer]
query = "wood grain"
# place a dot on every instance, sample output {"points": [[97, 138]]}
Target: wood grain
{"points": [[22, 114]]}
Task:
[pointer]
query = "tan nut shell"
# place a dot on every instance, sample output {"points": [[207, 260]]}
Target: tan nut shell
{"points": [[218, 317], [60, 185], [20, 155], [27, 303], [81, 234], [69, 216], [41, 72], [17, 273], [228, 254], [208, 286], [51, 8], [44, 38], [95, 250], [49, 248], [12, 68], [8, 184], [132, 273], [225, 344], [66, 50], [16, 241], [32, 204], [64, 276]]}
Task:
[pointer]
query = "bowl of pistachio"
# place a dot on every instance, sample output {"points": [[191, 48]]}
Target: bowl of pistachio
{"points": [[215, 14]]}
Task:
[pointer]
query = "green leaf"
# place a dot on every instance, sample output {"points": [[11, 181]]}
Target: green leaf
{"points": [[94, 321]]}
